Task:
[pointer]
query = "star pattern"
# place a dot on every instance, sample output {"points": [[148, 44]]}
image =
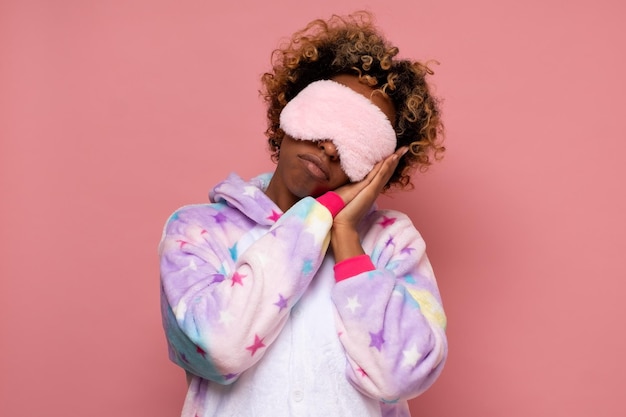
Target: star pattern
{"points": [[281, 303], [237, 279], [274, 216], [258, 344], [233, 252], [273, 230], [218, 278], [192, 265], [387, 221], [377, 340], [201, 351], [250, 191], [307, 267], [219, 218], [353, 303], [408, 250], [173, 217], [411, 356], [226, 317]]}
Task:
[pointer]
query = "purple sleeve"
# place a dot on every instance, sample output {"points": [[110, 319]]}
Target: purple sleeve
{"points": [[390, 320], [224, 295]]}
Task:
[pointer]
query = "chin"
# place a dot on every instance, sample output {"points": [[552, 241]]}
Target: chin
{"points": [[318, 192]]}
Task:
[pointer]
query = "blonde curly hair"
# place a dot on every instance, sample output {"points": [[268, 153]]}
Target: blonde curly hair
{"points": [[353, 45]]}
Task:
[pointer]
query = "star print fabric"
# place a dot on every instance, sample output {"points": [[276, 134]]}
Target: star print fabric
{"points": [[394, 310], [252, 312]]}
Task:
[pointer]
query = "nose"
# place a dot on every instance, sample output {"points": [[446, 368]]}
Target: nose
{"points": [[329, 149]]}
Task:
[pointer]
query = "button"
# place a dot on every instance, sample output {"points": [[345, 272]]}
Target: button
{"points": [[298, 395]]}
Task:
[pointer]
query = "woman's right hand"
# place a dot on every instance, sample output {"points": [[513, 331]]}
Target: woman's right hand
{"points": [[358, 198]]}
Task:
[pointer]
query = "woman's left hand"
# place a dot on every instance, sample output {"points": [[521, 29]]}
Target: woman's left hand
{"points": [[360, 196]]}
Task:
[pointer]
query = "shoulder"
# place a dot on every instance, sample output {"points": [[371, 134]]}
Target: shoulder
{"points": [[203, 216], [195, 213]]}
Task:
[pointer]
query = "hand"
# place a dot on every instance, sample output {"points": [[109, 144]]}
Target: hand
{"points": [[358, 198]]}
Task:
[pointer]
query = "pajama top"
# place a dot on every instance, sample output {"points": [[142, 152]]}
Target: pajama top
{"points": [[253, 310]]}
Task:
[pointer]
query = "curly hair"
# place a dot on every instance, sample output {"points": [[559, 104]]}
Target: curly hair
{"points": [[353, 45]]}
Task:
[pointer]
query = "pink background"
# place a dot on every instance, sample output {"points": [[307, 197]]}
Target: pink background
{"points": [[114, 113]]}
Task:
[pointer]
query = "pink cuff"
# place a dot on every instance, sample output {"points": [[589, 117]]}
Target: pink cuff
{"points": [[332, 202], [353, 266]]}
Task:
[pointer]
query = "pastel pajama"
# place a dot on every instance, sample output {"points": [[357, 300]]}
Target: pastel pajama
{"points": [[255, 311]]}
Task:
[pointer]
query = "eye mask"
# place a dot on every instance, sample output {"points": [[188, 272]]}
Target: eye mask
{"points": [[327, 110]]}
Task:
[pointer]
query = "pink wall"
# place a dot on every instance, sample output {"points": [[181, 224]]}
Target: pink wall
{"points": [[114, 113]]}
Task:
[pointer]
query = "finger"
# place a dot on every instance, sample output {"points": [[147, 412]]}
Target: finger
{"points": [[379, 174], [389, 165], [399, 153]]}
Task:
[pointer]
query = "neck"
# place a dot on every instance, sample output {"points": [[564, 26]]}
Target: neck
{"points": [[280, 195]]}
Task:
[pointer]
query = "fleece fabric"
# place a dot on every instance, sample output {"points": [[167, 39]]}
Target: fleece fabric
{"points": [[252, 311], [328, 110]]}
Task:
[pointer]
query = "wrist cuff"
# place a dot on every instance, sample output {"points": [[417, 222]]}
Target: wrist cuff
{"points": [[332, 202], [353, 266]]}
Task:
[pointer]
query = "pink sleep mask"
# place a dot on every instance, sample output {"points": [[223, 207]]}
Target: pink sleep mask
{"points": [[327, 110]]}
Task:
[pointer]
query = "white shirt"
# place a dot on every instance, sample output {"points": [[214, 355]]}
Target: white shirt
{"points": [[301, 374]]}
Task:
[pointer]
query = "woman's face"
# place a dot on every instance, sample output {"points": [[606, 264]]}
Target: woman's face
{"points": [[307, 168]]}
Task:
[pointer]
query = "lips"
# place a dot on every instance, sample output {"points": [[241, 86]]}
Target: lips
{"points": [[316, 167]]}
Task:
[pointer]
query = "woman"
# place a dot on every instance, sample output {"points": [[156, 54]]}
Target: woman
{"points": [[290, 294]]}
